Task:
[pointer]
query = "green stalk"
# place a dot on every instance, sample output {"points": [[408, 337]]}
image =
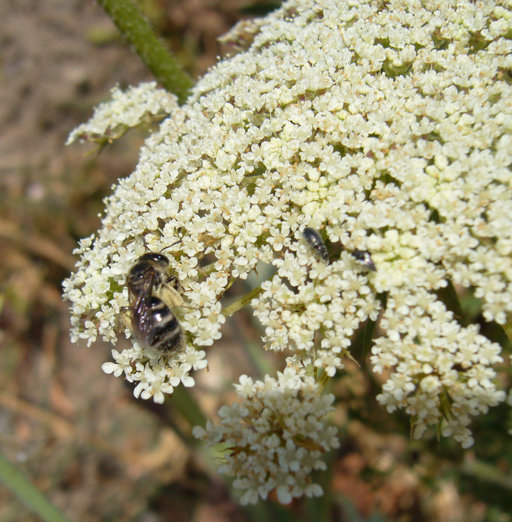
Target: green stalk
{"points": [[28, 493], [188, 407], [486, 473], [449, 296], [151, 49], [228, 311], [507, 327]]}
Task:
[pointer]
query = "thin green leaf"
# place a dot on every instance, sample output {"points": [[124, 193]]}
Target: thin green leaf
{"points": [[28, 493]]}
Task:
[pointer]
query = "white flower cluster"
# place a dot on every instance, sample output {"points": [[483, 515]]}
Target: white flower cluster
{"points": [[387, 127], [141, 104], [155, 374], [442, 371], [276, 437], [308, 298]]}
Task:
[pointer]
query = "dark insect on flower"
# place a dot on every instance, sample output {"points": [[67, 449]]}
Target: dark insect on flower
{"points": [[149, 273], [365, 259], [155, 325], [315, 240], [151, 319]]}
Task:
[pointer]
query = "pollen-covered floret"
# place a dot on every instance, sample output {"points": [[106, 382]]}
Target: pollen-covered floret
{"points": [[276, 437]]}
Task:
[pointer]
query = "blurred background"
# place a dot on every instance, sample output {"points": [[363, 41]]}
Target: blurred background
{"points": [[78, 434]]}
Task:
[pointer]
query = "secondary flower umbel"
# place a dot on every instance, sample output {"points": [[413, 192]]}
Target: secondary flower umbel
{"points": [[276, 437], [386, 127]]}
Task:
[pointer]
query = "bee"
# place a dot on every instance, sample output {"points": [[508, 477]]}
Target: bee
{"points": [[315, 240], [155, 324], [152, 320], [365, 259], [148, 273]]}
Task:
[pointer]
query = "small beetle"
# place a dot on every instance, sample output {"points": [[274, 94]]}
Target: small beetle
{"points": [[365, 259], [315, 240]]}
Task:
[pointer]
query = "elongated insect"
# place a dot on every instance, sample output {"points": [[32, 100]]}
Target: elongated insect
{"points": [[316, 242], [365, 259]]}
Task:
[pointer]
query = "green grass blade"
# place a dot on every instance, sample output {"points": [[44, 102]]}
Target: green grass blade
{"points": [[28, 493]]}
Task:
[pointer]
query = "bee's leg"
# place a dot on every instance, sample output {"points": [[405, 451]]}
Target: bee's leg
{"points": [[172, 281], [125, 317], [173, 297], [170, 295]]}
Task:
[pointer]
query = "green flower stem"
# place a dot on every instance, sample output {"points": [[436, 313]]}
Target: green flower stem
{"points": [[28, 493], [322, 378], [486, 473], [228, 311], [507, 327], [449, 296], [188, 407], [262, 364], [135, 28]]}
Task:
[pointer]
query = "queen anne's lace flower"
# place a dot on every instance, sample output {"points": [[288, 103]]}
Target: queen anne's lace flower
{"points": [[386, 126], [137, 105], [276, 438]]}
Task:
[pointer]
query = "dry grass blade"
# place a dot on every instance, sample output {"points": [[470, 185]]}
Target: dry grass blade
{"points": [[36, 244]]}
